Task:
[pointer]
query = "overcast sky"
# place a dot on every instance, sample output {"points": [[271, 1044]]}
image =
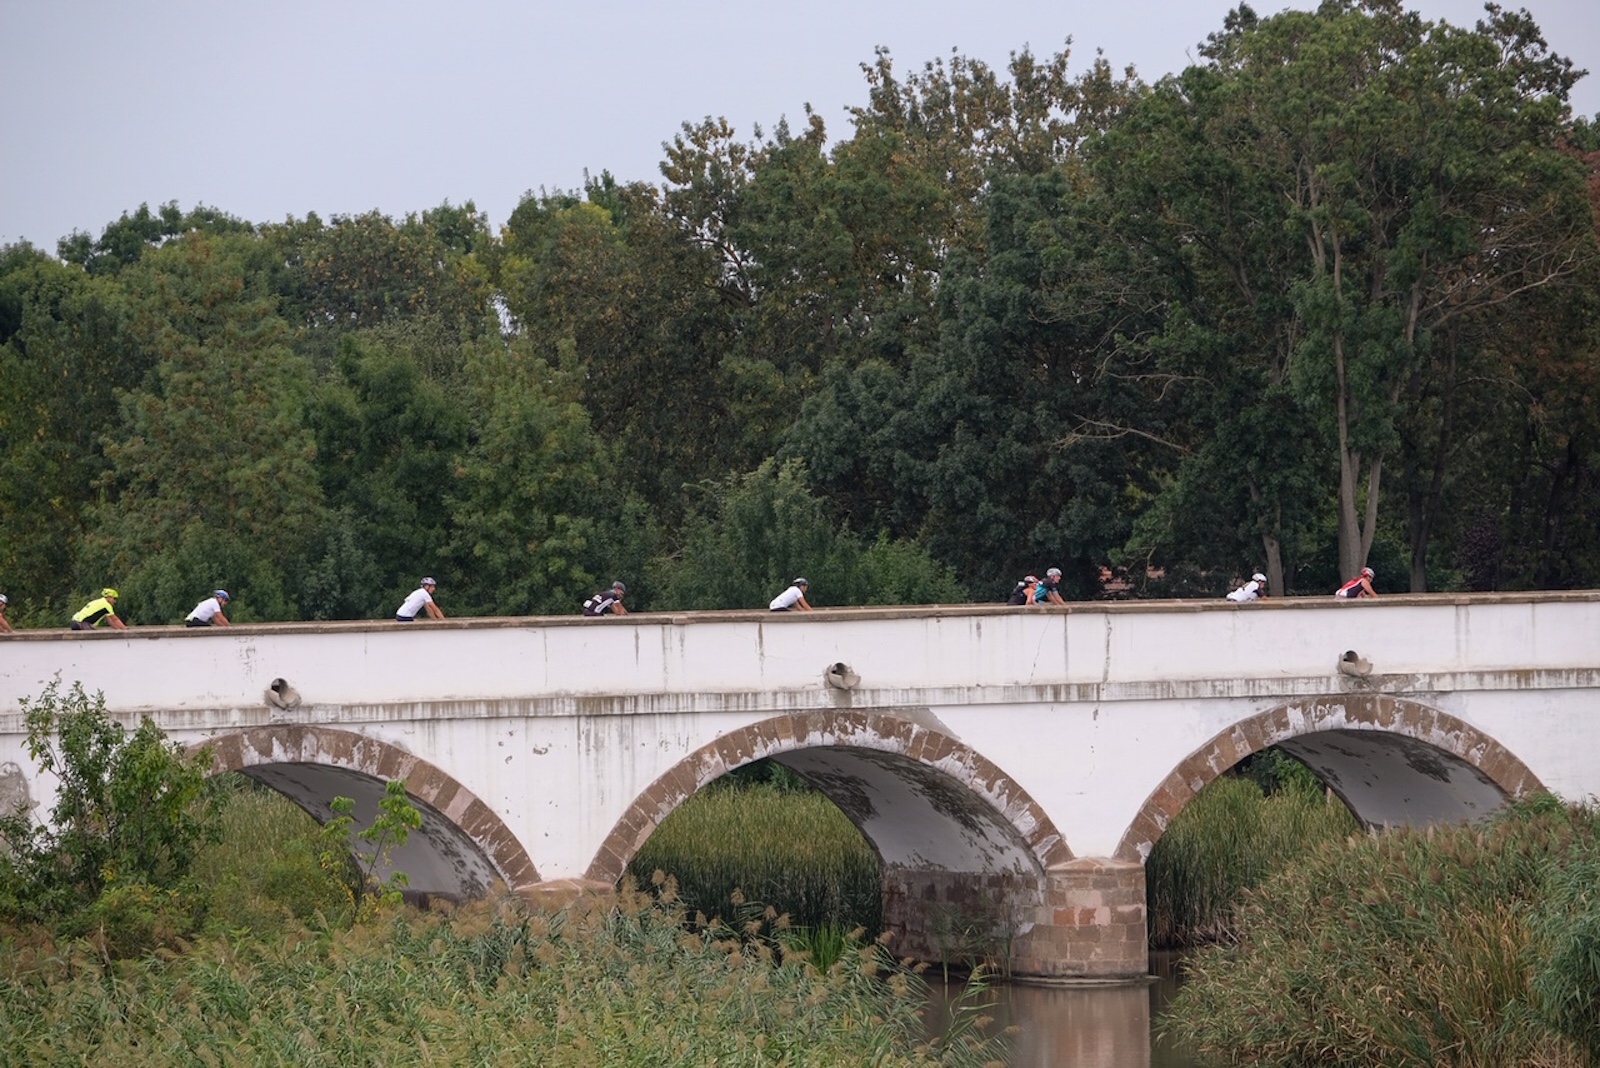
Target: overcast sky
{"points": [[283, 107]]}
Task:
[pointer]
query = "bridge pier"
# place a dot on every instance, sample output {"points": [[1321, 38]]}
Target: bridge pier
{"points": [[1083, 920]]}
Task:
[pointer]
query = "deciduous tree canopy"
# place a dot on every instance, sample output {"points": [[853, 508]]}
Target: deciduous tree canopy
{"points": [[1329, 297]]}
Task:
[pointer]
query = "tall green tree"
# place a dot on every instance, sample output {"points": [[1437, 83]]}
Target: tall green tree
{"points": [[1334, 190], [537, 507], [425, 277], [211, 480], [388, 439], [751, 534], [65, 351], [125, 241], [1420, 167], [610, 290]]}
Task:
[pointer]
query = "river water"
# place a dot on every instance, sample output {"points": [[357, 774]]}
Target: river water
{"points": [[1082, 1026]]}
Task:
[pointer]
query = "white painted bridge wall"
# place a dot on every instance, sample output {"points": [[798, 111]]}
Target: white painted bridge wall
{"points": [[560, 724]]}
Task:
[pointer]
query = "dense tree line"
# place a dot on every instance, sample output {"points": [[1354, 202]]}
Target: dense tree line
{"points": [[1327, 297]]}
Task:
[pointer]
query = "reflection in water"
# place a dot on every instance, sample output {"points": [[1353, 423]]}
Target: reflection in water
{"points": [[1080, 1026]]}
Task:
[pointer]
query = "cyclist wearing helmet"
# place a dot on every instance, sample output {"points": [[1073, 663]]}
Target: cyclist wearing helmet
{"points": [[420, 600], [1024, 590], [1360, 586], [1256, 587], [209, 611], [5, 624], [102, 609], [1048, 591], [793, 598], [607, 602]]}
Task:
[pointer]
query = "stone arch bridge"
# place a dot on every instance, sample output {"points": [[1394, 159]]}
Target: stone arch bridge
{"points": [[1012, 763]]}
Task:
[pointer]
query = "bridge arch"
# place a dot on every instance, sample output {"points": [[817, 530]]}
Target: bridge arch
{"points": [[922, 798], [462, 847], [1421, 765]]}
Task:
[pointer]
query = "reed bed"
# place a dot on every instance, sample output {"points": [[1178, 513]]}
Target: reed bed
{"points": [[619, 982], [285, 972], [1231, 837], [788, 848], [266, 866], [1462, 946]]}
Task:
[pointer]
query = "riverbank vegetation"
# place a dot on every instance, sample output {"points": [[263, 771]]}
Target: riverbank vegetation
{"points": [[1326, 297], [764, 832], [613, 982], [165, 919], [1239, 830], [1474, 945]]}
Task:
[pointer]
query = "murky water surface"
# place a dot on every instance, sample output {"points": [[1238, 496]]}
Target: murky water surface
{"points": [[1084, 1026]]}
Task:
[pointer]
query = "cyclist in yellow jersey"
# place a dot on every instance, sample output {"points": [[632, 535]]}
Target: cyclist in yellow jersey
{"points": [[102, 609]]}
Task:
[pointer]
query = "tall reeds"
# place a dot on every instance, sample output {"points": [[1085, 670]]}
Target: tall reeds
{"points": [[1231, 837], [788, 848], [265, 867], [1458, 945], [618, 982]]}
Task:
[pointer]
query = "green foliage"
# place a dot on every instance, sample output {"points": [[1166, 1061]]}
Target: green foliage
{"points": [[611, 291], [789, 849], [1327, 297], [1231, 838], [127, 240], [1340, 207], [65, 352], [211, 466], [1276, 772], [374, 844], [753, 534], [1563, 950], [134, 919], [1410, 948], [614, 982], [535, 498], [265, 870], [388, 439], [368, 271], [339, 577], [127, 816]]}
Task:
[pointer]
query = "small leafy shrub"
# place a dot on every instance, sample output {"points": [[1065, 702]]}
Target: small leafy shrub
{"points": [[371, 848], [135, 919], [129, 811]]}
